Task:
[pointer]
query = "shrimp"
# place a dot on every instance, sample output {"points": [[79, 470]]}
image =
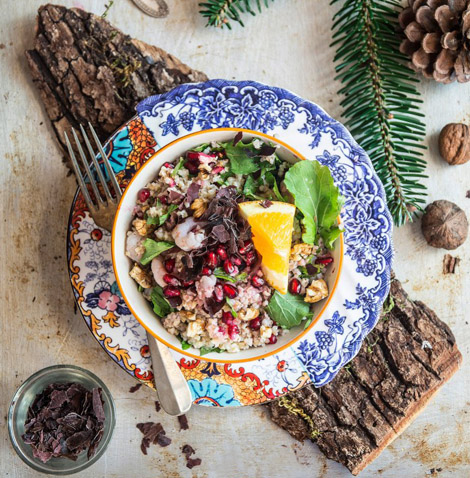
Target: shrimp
{"points": [[185, 238], [158, 271], [205, 286], [134, 246]]}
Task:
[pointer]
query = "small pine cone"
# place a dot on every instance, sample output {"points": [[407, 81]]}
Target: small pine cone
{"points": [[437, 38]]}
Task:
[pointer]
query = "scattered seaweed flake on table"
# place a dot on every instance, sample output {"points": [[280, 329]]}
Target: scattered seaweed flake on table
{"points": [[64, 420], [183, 421], [405, 360]]}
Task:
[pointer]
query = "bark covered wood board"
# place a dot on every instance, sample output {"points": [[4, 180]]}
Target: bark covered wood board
{"points": [[88, 70], [403, 362]]}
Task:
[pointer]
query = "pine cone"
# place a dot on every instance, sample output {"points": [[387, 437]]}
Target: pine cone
{"points": [[438, 38]]}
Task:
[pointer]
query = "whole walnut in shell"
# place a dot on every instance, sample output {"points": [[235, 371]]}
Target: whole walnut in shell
{"points": [[454, 143], [444, 225]]}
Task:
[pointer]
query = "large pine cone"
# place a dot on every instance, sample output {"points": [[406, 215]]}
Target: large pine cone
{"points": [[438, 38]]}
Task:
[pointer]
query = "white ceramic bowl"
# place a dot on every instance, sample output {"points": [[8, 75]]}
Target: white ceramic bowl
{"points": [[139, 306]]}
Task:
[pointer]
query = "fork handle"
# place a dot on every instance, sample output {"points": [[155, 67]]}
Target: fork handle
{"points": [[172, 388]]}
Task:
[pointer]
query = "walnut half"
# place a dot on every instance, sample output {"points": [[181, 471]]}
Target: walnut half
{"points": [[316, 291], [141, 277]]}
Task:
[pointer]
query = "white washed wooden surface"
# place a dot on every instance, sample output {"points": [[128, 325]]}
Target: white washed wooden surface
{"points": [[287, 46]]}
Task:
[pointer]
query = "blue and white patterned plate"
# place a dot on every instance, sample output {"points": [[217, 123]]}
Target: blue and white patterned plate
{"points": [[365, 278]]}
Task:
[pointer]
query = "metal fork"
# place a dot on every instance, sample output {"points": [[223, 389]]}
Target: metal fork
{"points": [[173, 391]]}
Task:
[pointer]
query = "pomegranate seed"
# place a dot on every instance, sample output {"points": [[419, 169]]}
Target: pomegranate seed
{"points": [[188, 283], [272, 339], [233, 331], [218, 293], [193, 155], [172, 280], [250, 257], [143, 194], [169, 265], [255, 324], [221, 252], [257, 281], [247, 246], [227, 317], [230, 291], [171, 182], [229, 268], [218, 170], [169, 165], [295, 286], [206, 271], [163, 199], [212, 260], [192, 167], [325, 260], [236, 260], [171, 291]]}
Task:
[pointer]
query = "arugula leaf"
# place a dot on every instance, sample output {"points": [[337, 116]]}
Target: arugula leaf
{"points": [[184, 345], [250, 187], [232, 310], [208, 350], [161, 306], [287, 310], [201, 147], [177, 167], [240, 161], [221, 274], [330, 236], [317, 198], [153, 249], [278, 194], [308, 321]]}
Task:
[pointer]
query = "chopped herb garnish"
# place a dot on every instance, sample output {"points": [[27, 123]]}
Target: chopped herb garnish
{"points": [[184, 345], [140, 288], [201, 147], [153, 249], [232, 310], [240, 161], [221, 274], [178, 167], [208, 350], [308, 321]]}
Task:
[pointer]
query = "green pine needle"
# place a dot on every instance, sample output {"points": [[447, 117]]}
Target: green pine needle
{"points": [[219, 13], [381, 103]]}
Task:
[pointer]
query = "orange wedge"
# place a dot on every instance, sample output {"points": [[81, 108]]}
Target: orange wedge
{"points": [[272, 236]]}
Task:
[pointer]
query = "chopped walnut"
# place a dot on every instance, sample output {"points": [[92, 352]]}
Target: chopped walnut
{"points": [[248, 314], [141, 226], [187, 316], [195, 328], [316, 291], [301, 251], [199, 207], [141, 277]]}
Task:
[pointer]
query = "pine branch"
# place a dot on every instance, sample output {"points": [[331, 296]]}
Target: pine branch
{"points": [[220, 12], [381, 103]]}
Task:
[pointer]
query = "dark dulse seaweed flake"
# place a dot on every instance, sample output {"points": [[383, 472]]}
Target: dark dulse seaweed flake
{"points": [[153, 433], [188, 450], [64, 420]]}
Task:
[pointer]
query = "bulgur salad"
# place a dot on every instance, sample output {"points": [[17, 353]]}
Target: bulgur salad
{"points": [[230, 244]]}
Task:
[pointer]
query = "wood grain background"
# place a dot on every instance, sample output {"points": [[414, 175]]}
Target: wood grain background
{"points": [[287, 46]]}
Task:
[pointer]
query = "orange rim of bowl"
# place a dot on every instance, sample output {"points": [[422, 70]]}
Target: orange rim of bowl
{"points": [[179, 350]]}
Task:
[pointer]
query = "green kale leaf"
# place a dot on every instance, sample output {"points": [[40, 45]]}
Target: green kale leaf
{"points": [[287, 310]]}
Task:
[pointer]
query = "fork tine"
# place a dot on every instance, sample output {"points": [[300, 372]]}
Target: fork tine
{"points": [[78, 175], [97, 166], [87, 168], [114, 182]]}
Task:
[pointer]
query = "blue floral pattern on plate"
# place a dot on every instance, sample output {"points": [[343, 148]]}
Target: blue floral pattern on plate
{"points": [[355, 309]]}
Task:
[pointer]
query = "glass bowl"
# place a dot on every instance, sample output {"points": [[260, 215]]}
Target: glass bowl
{"points": [[25, 395]]}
